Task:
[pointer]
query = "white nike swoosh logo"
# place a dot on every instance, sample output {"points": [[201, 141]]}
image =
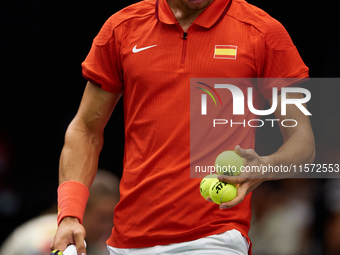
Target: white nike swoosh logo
{"points": [[135, 50]]}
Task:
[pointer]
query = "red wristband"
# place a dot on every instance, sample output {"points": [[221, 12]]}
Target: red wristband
{"points": [[72, 200]]}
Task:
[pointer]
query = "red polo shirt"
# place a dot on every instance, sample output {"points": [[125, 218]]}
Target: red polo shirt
{"points": [[143, 51]]}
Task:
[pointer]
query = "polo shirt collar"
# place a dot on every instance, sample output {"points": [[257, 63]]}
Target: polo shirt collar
{"points": [[211, 15]]}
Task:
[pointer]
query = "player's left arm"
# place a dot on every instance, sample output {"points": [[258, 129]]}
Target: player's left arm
{"points": [[298, 148]]}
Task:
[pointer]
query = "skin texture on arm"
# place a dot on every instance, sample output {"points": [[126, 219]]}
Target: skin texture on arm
{"points": [[298, 148], [84, 136], [80, 154]]}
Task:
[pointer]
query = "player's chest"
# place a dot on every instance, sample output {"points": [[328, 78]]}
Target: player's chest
{"points": [[198, 52]]}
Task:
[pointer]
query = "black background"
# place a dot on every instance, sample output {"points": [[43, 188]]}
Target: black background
{"points": [[42, 46]]}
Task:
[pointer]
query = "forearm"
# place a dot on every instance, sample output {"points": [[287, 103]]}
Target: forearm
{"points": [[298, 142], [297, 149], [79, 157]]}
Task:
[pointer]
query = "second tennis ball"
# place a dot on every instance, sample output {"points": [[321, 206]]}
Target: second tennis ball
{"points": [[228, 163], [221, 192], [205, 184]]}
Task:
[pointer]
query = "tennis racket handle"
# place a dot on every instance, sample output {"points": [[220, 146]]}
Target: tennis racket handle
{"points": [[71, 249]]}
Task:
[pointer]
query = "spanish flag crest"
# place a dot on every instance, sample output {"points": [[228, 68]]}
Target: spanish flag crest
{"points": [[225, 51]]}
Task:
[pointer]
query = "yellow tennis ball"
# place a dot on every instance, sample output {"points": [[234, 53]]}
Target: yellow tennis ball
{"points": [[205, 184], [221, 192], [228, 163]]}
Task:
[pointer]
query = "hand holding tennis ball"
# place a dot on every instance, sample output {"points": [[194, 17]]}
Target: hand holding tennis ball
{"points": [[245, 182], [229, 163]]}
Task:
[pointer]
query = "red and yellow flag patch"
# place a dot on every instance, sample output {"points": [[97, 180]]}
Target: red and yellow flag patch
{"points": [[225, 51]]}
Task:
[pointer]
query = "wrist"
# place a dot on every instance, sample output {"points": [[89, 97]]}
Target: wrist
{"points": [[69, 220], [72, 200]]}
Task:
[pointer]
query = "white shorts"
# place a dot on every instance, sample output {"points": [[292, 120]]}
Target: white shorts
{"points": [[230, 242]]}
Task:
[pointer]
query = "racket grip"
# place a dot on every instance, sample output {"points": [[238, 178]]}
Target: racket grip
{"points": [[70, 250]]}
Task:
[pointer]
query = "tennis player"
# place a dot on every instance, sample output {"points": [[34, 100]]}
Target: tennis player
{"points": [[148, 52]]}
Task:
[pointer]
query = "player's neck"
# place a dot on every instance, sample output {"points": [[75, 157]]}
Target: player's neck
{"points": [[184, 16]]}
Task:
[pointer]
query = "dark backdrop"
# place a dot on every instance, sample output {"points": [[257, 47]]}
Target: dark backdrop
{"points": [[42, 46]]}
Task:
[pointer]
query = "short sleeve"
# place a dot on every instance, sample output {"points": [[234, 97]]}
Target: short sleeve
{"points": [[279, 58], [102, 65]]}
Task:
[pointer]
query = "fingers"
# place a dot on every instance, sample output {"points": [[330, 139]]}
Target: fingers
{"points": [[80, 248], [57, 246], [69, 232], [241, 193], [247, 154], [80, 245], [244, 186], [228, 179]]}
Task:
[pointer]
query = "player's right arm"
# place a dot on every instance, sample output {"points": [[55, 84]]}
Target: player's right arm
{"points": [[79, 157]]}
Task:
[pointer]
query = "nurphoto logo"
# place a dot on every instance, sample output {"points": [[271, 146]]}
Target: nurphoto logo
{"points": [[240, 100]]}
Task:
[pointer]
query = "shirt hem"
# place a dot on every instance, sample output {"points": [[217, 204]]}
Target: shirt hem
{"points": [[142, 242]]}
